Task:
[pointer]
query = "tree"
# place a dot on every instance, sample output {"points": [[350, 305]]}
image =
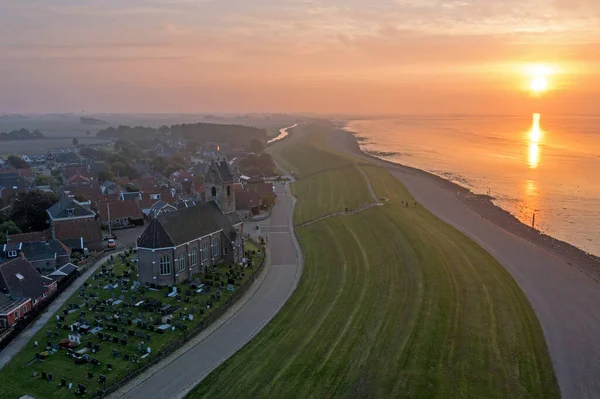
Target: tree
{"points": [[8, 228], [268, 200], [80, 197], [28, 211], [17, 162], [256, 146], [164, 130], [57, 175], [106, 174], [47, 181], [75, 141], [192, 146]]}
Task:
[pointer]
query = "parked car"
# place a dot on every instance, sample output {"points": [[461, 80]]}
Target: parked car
{"points": [[111, 243]]}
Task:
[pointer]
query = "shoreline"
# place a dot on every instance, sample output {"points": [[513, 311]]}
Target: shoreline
{"points": [[482, 204]]}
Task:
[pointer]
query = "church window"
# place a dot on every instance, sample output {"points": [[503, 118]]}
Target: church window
{"points": [[165, 266], [214, 191]]}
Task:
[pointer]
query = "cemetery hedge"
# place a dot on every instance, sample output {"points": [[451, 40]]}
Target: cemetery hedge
{"points": [[392, 303], [17, 378]]}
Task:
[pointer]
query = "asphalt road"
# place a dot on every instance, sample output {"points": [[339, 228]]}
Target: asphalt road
{"points": [[177, 378]]}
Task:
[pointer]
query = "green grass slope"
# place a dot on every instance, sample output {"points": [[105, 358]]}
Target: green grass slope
{"points": [[392, 303]]}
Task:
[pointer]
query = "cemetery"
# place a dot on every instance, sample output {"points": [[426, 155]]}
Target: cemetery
{"points": [[113, 325]]}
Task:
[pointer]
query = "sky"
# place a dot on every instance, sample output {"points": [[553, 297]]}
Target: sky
{"points": [[351, 57]]}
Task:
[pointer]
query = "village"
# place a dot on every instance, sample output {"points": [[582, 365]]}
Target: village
{"points": [[64, 210]]}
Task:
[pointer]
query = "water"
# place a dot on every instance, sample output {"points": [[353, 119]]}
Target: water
{"points": [[536, 164], [283, 133]]}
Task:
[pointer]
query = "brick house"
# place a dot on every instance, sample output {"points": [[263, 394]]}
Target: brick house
{"points": [[75, 225], [44, 255], [120, 213], [12, 309], [176, 245], [19, 279]]}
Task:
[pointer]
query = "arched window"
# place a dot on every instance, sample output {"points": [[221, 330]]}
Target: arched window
{"points": [[229, 191], [193, 257], [214, 191], [216, 249], [181, 261], [165, 265], [204, 251]]}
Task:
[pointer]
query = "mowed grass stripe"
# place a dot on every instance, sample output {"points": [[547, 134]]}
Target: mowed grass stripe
{"points": [[392, 303]]}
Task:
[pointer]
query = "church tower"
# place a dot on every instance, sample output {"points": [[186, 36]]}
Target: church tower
{"points": [[219, 185]]}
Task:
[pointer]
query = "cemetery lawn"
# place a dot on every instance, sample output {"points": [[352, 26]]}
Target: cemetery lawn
{"points": [[392, 303], [16, 378]]}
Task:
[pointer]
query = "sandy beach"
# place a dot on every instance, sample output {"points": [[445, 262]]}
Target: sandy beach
{"points": [[560, 281]]}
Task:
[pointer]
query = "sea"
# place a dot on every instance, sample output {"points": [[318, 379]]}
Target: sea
{"points": [[543, 169]]}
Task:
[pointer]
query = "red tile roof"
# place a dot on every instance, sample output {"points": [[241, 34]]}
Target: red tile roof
{"points": [[119, 209]]}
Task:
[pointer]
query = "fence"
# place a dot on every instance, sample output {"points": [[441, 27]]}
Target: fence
{"points": [[165, 352]]}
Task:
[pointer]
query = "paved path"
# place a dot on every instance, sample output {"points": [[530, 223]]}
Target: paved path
{"points": [[15, 346], [175, 378]]}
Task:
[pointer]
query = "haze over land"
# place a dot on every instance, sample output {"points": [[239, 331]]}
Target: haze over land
{"points": [[398, 56]]}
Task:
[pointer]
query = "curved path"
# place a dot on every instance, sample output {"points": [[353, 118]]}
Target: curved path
{"points": [[176, 378], [566, 301]]}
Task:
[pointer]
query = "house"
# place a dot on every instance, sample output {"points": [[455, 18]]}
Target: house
{"points": [[133, 196], [63, 273], [31, 236], [75, 225], [159, 208], [260, 187], [70, 171], [247, 201], [12, 309], [26, 158], [120, 214], [110, 187], [176, 245], [49, 157], [78, 180], [19, 279], [45, 256], [67, 158], [2, 162], [91, 193], [150, 197]]}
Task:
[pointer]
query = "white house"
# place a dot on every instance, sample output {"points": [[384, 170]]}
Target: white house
{"points": [[26, 158]]}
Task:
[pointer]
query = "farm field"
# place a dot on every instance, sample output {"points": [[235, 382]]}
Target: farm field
{"points": [[392, 303], [42, 146], [117, 322]]}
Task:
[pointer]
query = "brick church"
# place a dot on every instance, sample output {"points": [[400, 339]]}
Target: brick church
{"points": [[177, 245]]}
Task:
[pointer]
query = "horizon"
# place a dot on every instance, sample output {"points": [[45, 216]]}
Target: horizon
{"points": [[407, 57]]}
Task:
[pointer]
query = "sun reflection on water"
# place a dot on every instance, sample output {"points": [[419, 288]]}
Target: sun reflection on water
{"points": [[535, 135]]}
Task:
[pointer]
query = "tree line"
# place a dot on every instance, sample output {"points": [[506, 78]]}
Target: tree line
{"points": [[21, 134]]}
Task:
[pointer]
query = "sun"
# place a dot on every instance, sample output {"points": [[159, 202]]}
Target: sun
{"points": [[539, 84]]}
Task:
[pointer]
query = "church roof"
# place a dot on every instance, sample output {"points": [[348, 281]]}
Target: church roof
{"points": [[187, 224]]}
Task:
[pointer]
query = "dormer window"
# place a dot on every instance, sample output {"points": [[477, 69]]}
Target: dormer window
{"points": [[12, 254], [71, 212]]}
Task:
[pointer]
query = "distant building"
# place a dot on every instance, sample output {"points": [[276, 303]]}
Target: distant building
{"points": [[120, 214]]}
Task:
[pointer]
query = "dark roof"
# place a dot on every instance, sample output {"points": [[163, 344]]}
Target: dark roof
{"points": [[39, 250], [12, 246], [65, 270], [8, 304], [223, 168], [60, 210], [184, 225], [20, 279], [32, 236], [73, 243], [67, 157]]}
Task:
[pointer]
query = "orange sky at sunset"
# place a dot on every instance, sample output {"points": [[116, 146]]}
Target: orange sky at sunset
{"points": [[403, 56]]}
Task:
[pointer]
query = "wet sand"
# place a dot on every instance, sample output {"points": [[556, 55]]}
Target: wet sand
{"points": [[560, 281]]}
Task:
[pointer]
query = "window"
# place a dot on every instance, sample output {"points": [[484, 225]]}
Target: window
{"points": [[12, 254], [182, 261], [44, 295], [216, 247], [225, 250], [25, 309], [193, 257], [228, 191], [213, 191], [17, 314], [204, 251], [155, 196], [165, 265], [35, 300]]}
